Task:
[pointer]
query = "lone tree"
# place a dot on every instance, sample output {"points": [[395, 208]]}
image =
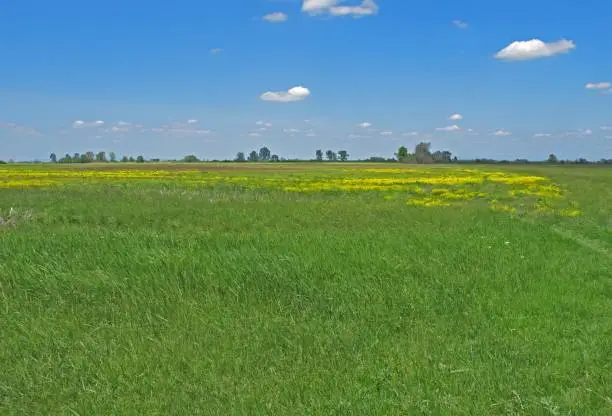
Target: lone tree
{"points": [[112, 156], [140, 159], [402, 154], [274, 158], [264, 154], [552, 158], [319, 155], [253, 156], [343, 155], [240, 157], [53, 158]]}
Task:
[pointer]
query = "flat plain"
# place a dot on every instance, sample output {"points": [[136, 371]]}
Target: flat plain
{"points": [[312, 288]]}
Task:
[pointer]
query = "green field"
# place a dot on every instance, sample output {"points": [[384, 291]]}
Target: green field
{"points": [[305, 289]]}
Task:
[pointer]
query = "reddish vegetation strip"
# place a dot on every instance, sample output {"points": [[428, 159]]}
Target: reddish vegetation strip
{"points": [[213, 167]]}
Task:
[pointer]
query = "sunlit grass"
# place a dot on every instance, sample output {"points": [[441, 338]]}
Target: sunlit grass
{"points": [[359, 290]]}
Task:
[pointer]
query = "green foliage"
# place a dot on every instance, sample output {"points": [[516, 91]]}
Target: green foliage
{"points": [[331, 155], [101, 157], [240, 157], [343, 155], [552, 159], [53, 158], [191, 159], [319, 155], [112, 157]]}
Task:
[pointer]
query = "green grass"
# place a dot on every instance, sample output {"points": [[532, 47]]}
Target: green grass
{"points": [[129, 300]]}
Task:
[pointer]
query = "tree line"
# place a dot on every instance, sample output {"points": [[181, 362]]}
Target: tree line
{"points": [[421, 154]]}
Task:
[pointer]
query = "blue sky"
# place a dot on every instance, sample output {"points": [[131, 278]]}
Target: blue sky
{"points": [[165, 79]]}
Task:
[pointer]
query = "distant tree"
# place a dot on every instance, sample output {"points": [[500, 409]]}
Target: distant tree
{"points": [[319, 155], [402, 154], [90, 156], [76, 158], [53, 158], [191, 159], [274, 158], [253, 156], [343, 155], [2, 162], [441, 156], [422, 153], [101, 157], [264, 154], [125, 159], [85, 158], [131, 159], [112, 157], [140, 159], [66, 159], [331, 155], [240, 157], [552, 158]]}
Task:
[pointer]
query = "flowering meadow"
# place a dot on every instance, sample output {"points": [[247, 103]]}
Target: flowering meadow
{"points": [[305, 288]]}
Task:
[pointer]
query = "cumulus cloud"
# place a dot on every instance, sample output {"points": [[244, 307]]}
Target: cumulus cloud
{"points": [[454, 127], [502, 133], [461, 24], [19, 129], [298, 93], [339, 8], [534, 49], [216, 51], [455, 117], [82, 124], [277, 17], [365, 125], [598, 86]]}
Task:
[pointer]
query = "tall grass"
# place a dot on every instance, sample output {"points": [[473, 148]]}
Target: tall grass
{"points": [[138, 300]]}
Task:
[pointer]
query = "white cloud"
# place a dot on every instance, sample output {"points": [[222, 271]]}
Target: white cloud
{"points": [[263, 123], [598, 86], [298, 93], [181, 129], [216, 51], [192, 121], [580, 133], [19, 129], [542, 135], [364, 125], [534, 49], [255, 134], [454, 127], [386, 133], [502, 133], [410, 134], [277, 17], [291, 131], [338, 8], [606, 127], [461, 24], [81, 124], [455, 117]]}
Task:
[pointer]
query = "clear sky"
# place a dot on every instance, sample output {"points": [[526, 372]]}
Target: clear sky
{"points": [[212, 77]]}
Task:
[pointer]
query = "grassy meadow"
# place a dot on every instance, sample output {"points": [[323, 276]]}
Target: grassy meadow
{"points": [[301, 289]]}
